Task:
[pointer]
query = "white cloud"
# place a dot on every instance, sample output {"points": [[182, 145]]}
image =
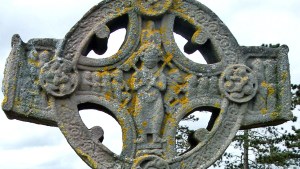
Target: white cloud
{"points": [[45, 157]]}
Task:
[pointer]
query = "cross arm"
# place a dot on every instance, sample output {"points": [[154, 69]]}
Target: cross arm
{"points": [[272, 103], [23, 97]]}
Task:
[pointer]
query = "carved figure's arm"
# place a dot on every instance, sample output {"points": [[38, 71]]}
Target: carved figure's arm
{"points": [[125, 86], [160, 82], [137, 81]]}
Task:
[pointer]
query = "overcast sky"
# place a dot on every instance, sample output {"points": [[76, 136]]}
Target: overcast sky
{"points": [[29, 146]]}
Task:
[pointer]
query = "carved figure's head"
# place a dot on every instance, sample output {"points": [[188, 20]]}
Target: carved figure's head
{"points": [[151, 56], [106, 77], [44, 57], [87, 75], [117, 75]]}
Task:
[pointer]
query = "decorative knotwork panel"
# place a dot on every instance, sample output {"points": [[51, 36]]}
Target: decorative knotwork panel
{"points": [[148, 85]]}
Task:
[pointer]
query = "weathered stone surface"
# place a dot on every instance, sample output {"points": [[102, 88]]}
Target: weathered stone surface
{"points": [[149, 85]]}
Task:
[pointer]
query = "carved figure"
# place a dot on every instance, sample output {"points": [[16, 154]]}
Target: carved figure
{"points": [[203, 86], [106, 84], [174, 82], [44, 57], [213, 86], [86, 81], [119, 87], [190, 86], [149, 81], [96, 86]]}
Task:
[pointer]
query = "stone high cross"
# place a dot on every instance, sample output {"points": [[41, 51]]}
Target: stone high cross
{"points": [[149, 85]]}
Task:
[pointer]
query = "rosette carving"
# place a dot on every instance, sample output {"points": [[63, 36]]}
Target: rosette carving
{"points": [[59, 77], [238, 83]]}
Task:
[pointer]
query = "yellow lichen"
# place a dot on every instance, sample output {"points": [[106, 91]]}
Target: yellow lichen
{"points": [[284, 76], [171, 142], [182, 164], [263, 111], [264, 84], [5, 99], [140, 131], [124, 132], [36, 82], [87, 158], [176, 88], [174, 103], [168, 57], [160, 84], [34, 62], [145, 124], [218, 120], [136, 110], [138, 159], [63, 130], [274, 115], [196, 34], [171, 120], [184, 101], [217, 105], [107, 96], [269, 88], [17, 102], [98, 74]]}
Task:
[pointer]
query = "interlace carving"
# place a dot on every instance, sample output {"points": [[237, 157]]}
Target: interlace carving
{"points": [[239, 83], [58, 77]]}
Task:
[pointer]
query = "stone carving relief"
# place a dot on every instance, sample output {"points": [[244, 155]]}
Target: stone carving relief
{"points": [[238, 83], [265, 100], [109, 84], [149, 85], [58, 77], [120, 87]]}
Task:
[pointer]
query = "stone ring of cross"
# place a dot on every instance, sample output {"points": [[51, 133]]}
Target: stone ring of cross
{"points": [[149, 85]]}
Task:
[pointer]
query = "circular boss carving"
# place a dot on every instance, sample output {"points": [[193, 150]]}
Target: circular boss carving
{"points": [[153, 7], [238, 83], [150, 162], [59, 77]]}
